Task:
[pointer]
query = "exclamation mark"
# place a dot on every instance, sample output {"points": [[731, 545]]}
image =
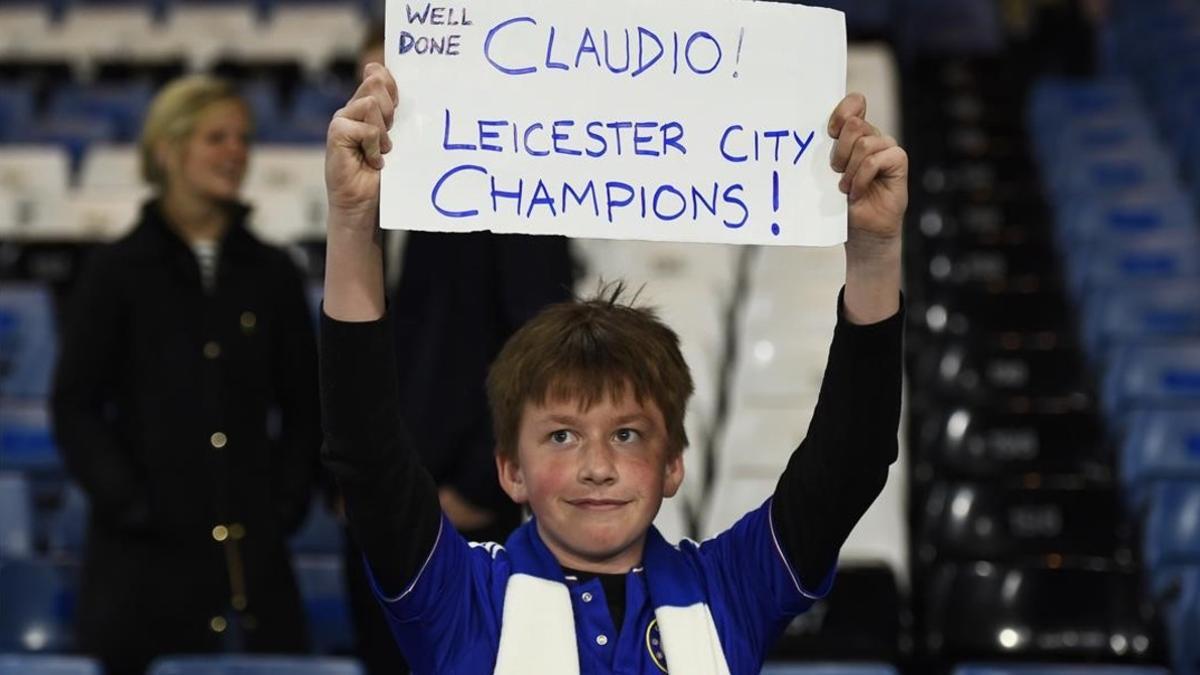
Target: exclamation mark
{"points": [[738, 60], [775, 200]]}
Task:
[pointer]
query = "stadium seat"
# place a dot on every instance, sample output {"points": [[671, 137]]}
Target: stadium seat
{"points": [[1153, 374], [321, 533], [322, 589], [26, 440], [861, 619], [983, 610], [16, 109], [27, 340], [45, 664], [827, 669], [67, 525], [985, 444], [965, 521], [1159, 445], [962, 370], [281, 167], [1107, 270], [39, 605], [74, 134], [1178, 598], [16, 516], [253, 665], [34, 169], [1171, 530], [1056, 669], [102, 214], [108, 167], [1141, 312], [123, 105]]}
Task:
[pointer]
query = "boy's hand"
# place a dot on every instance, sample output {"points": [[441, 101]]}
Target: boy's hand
{"points": [[875, 176], [355, 146], [354, 150], [874, 171]]}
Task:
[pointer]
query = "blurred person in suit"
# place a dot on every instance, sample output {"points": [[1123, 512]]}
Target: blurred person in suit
{"points": [[456, 299], [185, 404]]}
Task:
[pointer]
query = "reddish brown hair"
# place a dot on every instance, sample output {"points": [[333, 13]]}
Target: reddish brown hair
{"points": [[584, 350]]}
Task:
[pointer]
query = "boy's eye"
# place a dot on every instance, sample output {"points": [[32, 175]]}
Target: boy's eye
{"points": [[627, 435], [560, 436]]}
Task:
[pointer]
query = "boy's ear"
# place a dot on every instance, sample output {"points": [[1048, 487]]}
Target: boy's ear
{"points": [[511, 479], [673, 475]]}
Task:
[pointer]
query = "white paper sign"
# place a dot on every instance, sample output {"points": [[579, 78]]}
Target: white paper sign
{"points": [[669, 120]]}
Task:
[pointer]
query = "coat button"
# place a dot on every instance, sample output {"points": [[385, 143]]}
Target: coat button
{"points": [[220, 533], [586, 597], [218, 440], [248, 321], [212, 350], [238, 602], [218, 624], [601, 640], [237, 531]]}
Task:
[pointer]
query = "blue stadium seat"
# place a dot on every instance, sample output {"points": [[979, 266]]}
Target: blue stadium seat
{"points": [[252, 665], [1106, 270], [27, 340], [1056, 669], [16, 516], [39, 605], [67, 526], [321, 532], [1180, 605], [16, 109], [26, 440], [45, 664], [828, 669], [1151, 375], [124, 106], [320, 101], [1171, 531], [263, 98], [1159, 445], [74, 133], [1140, 312], [322, 588]]}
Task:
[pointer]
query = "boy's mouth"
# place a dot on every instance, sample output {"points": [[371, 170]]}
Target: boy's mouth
{"points": [[598, 504]]}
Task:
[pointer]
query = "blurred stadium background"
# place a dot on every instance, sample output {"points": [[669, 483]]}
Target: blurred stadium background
{"points": [[1045, 514]]}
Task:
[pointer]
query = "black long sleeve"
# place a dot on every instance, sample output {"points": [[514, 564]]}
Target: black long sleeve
{"points": [[842, 465], [391, 500]]}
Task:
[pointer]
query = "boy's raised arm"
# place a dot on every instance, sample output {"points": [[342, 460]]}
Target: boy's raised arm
{"points": [[391, 500], [842, 465]]}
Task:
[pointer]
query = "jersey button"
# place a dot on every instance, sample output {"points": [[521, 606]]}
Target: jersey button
{"points": [[587, 597], [601, 640]]}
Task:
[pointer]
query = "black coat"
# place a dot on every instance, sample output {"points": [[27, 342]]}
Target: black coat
{"points": [[191, 421]]}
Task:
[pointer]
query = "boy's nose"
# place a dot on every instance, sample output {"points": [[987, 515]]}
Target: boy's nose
{"points": [[597, 464]]}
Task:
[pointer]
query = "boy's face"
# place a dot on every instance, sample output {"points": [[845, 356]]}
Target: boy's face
{"points": [[595, 479]]}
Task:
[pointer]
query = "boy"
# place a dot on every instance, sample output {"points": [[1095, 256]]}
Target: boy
{"points": [[588, 401]]}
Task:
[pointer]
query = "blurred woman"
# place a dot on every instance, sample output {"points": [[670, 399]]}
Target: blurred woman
{"points": [[185, 404]]}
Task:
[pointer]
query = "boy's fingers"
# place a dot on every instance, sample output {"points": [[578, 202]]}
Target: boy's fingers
{"points": [[863, 148], [852, 130], [853, 105], [888, 162]]}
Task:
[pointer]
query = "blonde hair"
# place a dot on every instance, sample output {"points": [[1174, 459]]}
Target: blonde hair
{"points": [[173, 115]]}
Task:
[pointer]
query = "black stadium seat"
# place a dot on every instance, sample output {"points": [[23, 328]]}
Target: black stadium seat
{"points": [[984, 610], [965, 521]]}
